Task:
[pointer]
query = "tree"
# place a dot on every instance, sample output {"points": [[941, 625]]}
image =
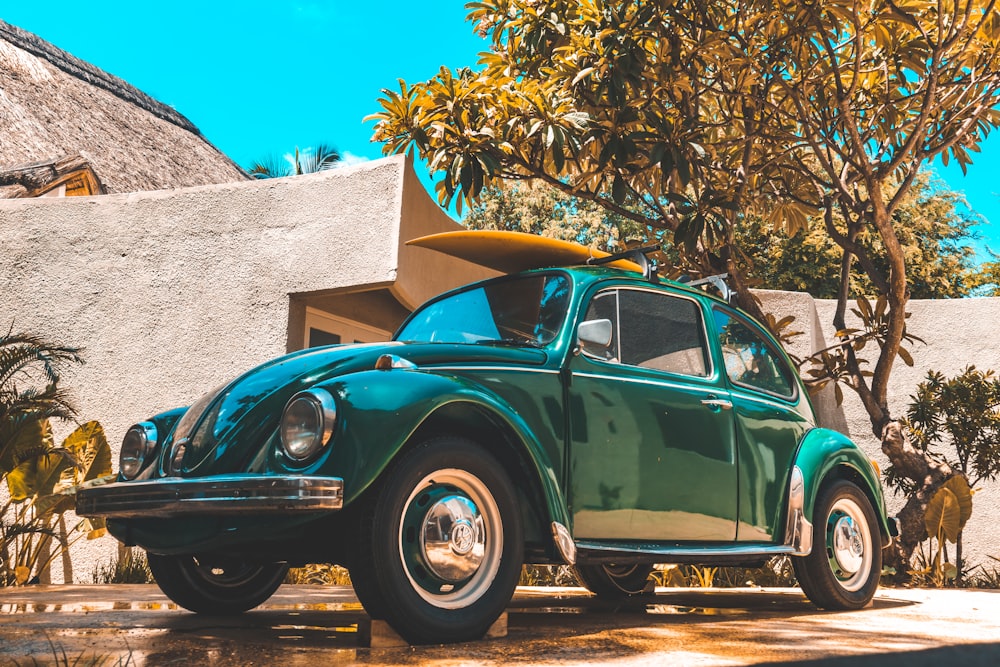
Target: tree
{"points": [[988, 277], [536, 208], [934, 229], [308, 161], [692, 116]]}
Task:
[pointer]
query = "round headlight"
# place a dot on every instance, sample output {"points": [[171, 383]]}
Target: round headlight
{"points": [[139, 443], [307, 423]]}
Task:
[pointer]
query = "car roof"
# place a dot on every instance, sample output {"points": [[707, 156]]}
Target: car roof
{"points": [[590, 274]]}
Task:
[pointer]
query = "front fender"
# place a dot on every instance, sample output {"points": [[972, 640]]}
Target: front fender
{"points": [[825, 454], [380, 411]]}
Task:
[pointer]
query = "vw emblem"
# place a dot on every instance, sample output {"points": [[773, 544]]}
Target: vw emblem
{"points": [[463, 538]]}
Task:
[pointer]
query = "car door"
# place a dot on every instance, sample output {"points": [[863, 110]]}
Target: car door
{"points": [[772, 415], [652, 446]]}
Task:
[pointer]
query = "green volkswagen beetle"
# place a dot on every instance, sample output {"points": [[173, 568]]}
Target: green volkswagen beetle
{"points": [[582, 415]]}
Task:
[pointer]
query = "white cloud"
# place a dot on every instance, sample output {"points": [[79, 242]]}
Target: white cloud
{"points": [[348, 159]]}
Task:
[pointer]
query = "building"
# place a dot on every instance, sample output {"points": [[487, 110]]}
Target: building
{"points": [[68, 128]]}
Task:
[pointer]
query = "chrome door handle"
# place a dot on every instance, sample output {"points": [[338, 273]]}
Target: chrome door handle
{"points": [[719, 403]]}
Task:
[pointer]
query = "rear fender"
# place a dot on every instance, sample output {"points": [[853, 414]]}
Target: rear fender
{"points": [[826, 455]]}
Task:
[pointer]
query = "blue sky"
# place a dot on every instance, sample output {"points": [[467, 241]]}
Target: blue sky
{"points": [[261, 77]]}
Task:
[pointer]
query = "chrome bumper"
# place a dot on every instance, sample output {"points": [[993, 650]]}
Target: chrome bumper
{"points": [[217, 495]]}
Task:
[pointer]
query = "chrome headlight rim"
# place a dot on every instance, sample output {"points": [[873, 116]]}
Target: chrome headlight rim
{"points": [[302, 443], [138, 446], [172, 456]]}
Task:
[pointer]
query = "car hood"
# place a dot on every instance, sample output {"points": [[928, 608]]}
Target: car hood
{"points": [[244, 414]]}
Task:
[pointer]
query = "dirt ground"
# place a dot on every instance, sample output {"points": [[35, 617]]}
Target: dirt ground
{"points": [[310, 625]]}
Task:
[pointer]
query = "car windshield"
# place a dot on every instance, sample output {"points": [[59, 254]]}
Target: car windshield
{"points": [[526, 310]]}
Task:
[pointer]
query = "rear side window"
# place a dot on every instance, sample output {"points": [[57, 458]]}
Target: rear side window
{"points": [[750, 359], [653, 330]]}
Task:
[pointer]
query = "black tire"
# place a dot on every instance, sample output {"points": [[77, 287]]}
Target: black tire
{"points": [[612, 582], [843, 569], [216, 585], [432, 580]]}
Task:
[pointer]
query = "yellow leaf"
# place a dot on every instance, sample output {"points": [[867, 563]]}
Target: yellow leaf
{"points": [[21, 574], [943, 516], [959, 486], [89, 446]]}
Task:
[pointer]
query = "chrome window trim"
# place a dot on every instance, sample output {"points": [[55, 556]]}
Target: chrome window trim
{"points": [[706, 344]]}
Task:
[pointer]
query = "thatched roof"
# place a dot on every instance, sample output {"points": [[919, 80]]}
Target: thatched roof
{"points": [[53, 104]]}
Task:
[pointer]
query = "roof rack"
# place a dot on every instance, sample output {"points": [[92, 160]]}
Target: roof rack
{"points": [[638, 255], [717, 281]]}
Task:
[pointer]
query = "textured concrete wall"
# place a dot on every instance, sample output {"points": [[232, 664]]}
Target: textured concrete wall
{"points": [[957, 333]]}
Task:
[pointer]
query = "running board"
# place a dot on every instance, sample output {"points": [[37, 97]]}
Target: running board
{"points": [[723, 554]]}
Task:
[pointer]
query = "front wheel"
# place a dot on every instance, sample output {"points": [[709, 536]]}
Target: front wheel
{"points": [[217, 585], [442, 544], [614, 581], [845, 564]]}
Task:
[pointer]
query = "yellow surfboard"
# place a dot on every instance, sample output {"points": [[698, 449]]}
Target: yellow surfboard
{"points": [[511, 252]]}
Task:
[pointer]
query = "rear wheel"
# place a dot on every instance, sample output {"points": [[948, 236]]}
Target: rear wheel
{"points": [[441, 548], [843, 570], [217, 585], [615, 581]]}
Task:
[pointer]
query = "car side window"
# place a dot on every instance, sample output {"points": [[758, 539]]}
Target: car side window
{"points": [[653, 330], [750, 360]]}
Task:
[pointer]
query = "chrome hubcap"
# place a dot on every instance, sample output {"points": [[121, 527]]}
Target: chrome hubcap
{"points": [[849, 544], [848, 548], [453, 539]]}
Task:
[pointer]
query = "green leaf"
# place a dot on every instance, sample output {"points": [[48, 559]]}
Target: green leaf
{"points": [[618, 189]]}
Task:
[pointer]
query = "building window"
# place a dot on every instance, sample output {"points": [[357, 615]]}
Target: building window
{"points": [[318, 338], [323, 328]]}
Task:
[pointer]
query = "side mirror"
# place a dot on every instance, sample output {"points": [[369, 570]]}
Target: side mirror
{"points": [[594, 337]]}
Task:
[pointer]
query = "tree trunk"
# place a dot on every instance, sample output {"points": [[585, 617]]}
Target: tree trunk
{"points": [[928, 475]]}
